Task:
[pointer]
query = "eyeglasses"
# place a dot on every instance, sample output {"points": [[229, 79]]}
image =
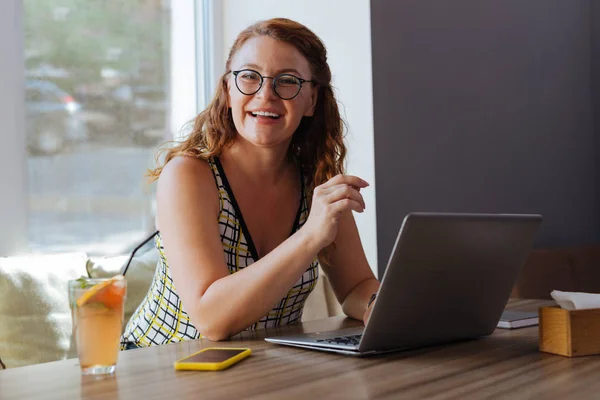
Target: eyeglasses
{"points": [[285, 86]]}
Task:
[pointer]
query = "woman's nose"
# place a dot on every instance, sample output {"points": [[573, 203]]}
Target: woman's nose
{"points": [[267, 90]]}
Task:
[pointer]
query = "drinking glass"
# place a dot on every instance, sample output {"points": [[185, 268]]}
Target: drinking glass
{"points": [[97, 307]]}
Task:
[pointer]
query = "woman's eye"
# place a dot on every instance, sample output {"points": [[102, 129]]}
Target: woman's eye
{"points": [[250, 76], [288, 80]]}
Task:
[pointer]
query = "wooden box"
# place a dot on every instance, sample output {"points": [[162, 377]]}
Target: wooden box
{"points": [[569, 333]]}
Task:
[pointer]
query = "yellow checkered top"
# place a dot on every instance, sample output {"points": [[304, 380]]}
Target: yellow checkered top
{"points": [[161, 317]]}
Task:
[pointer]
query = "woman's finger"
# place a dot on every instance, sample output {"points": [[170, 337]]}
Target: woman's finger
{"points": [[347, 179], [345, 192], [326, 191], [346, 205]]}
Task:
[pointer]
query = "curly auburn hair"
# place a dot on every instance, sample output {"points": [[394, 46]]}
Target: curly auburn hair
{"points": [[317, 145]]}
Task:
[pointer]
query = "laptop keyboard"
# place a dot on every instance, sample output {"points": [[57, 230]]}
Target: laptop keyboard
{"points": [[351, 340]]}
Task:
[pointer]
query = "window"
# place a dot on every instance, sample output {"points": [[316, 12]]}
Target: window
{"points": [[105, 83], [97, 92]]}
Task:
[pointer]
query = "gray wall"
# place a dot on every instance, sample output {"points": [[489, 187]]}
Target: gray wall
{"points": [[486, 106]]}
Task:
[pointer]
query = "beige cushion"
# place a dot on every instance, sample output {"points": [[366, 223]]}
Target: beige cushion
{"points": [[35, 318], [139, 275]]}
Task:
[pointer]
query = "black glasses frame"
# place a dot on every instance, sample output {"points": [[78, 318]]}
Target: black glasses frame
{"points": [[262, 80]]}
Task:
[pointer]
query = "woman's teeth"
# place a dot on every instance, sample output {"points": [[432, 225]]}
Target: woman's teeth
{"points": [[265, 114]]}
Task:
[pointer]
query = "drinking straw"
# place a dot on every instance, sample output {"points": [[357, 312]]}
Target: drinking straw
{"points": [[135, 251]]}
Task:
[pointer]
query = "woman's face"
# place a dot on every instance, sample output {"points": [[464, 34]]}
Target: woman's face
{"points": [[270, 58]]}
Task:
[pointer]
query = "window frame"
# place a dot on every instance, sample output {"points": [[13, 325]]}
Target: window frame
{"points": [[13, 157]]}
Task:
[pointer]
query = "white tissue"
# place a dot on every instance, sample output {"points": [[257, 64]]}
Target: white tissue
{"points": [[576, 300]]}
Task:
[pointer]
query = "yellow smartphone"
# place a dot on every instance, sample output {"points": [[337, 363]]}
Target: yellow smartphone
{"points": [[212, 359]]}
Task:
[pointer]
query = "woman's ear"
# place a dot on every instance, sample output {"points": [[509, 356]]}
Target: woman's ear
{"points": [[313, 102]]}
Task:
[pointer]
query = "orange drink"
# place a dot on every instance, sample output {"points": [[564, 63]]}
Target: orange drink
{"points": [[97, 309]]}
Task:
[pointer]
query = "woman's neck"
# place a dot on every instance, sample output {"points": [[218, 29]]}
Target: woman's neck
{"points": [[257, 165]]}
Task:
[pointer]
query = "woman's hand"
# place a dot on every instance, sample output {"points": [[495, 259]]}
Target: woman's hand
{"points": [[339, 194]]}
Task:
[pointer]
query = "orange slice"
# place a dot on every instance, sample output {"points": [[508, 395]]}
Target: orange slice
{"points": [[110, 293]]}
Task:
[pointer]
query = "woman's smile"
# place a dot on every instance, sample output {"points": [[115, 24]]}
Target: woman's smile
{"points": [[265, 116]]}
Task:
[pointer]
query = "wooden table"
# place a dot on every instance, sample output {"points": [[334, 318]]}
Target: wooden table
{"points": [[506, 364]]}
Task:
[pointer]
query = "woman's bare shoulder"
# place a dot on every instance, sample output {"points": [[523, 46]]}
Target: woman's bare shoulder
{"points": [[187, 169], [189, 177]]}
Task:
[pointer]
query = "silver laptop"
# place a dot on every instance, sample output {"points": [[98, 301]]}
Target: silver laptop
{"points": [[448, 278]]}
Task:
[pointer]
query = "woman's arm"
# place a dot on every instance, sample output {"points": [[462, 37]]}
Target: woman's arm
{"points": [[351, 277], [219, 304], [222, 304]]}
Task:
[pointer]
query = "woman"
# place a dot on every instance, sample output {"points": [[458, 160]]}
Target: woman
{"points": [[229, 196]]}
